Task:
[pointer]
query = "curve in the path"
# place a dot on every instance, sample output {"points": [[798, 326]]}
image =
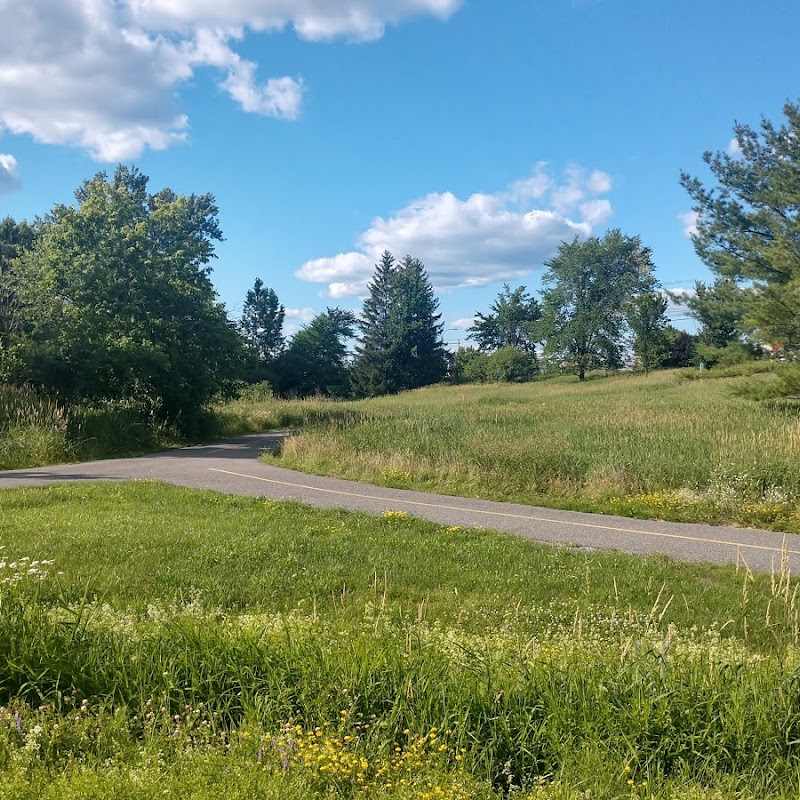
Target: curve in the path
{"points": [[232, 467]]}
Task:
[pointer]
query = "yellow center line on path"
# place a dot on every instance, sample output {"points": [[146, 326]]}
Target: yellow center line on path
{"points": [[780, 550]]}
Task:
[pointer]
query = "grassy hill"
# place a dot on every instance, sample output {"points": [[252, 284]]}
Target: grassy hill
{"points": [[661, 446]]}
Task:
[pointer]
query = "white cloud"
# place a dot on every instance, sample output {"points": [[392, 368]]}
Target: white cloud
{"points": [[9, 173], [104, 75], [477, 240], [301, 314], [734, 148], [296, 318], [689, 222], [462, 324], [315, 20]]}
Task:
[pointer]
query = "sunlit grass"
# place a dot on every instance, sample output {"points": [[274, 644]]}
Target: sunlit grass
{"points": [[182, 639], [658, 446]]}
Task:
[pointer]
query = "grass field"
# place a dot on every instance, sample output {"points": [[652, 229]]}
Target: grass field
{"points": [[660, 446], [156, 641]]}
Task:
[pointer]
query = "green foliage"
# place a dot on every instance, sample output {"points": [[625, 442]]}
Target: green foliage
{"points": [[115, 301], [373, 373], [749, 226], [511, 365], [511, 322], [470, 365], [680, 347], [719, 309], [401, 345], [261, 324], [15, 239], [314, 362], [728, 356], [647, 320], [587, 285]]}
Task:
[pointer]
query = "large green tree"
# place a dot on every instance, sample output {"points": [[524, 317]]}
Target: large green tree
{"points": [[401, 331], [511, 322], [373, 372], [15, 239], [315, 362], [587, 286], [115, 300], [415, 328], [748, 227]]}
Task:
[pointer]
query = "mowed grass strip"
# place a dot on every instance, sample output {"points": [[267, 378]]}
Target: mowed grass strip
{"points": [[182, 641], [658, 446]]}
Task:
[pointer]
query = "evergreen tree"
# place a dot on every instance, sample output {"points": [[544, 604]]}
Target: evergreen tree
{"points": [[372, 371], [749, 224], [401, 345], [261, 325], [415, 328]]}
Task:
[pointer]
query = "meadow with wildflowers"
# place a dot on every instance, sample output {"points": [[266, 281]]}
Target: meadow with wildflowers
{"points": [[164, 642], [673, 445]]}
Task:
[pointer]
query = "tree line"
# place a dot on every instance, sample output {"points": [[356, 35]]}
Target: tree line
{"points": [[111, 299]]}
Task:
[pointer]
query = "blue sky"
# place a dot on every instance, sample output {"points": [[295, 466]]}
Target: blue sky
{"points": [[474, 135]]}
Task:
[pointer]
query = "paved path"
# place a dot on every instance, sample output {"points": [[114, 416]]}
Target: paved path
{"points": [[231, 467]]}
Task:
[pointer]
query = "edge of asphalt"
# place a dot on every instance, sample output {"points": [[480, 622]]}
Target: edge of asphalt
{"points": [[231, 466]]}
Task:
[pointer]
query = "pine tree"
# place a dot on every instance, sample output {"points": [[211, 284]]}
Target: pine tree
{"points": [[401, 345], [372, 371], [261, 325], [415, 328]]}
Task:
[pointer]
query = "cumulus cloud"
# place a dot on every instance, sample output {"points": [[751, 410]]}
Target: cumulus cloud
{"points": [[296, 318], [462, 324], [314, 20], [104, 75], [477, 240], [9, 173], [689, 222], [734, 148]]}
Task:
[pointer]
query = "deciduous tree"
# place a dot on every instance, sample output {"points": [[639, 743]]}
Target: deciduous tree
{"points": [[115, 300], [587, 286], [647, 320], [511, 322]]}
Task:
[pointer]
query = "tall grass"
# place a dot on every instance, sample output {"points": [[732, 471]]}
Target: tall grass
{"points": [[179, 636], [632, 445]]}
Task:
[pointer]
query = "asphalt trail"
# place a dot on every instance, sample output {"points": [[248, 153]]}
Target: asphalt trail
{"points": [[232, 467]]}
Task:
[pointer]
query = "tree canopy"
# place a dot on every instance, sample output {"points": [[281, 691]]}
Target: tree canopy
{"points": [[315, 361], [586, 289], [115, 300], [748, 227], [511, 322]]}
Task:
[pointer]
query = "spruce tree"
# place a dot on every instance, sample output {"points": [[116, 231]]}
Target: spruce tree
{"points": [[401, 345], [415, 328], [372, 370], [261, 325]]}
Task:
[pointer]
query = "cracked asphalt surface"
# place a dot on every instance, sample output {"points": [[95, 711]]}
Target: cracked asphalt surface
{"points": [[232, 467]]}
